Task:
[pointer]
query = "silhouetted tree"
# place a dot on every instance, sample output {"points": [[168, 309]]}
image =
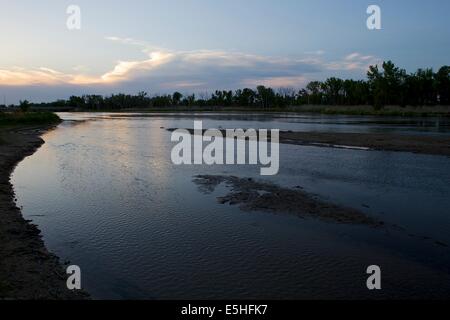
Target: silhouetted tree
{"points": [[385, 85], [333, 89], [442, 79], [265, 97], [176, 98], [315, 92], [24, 106]]}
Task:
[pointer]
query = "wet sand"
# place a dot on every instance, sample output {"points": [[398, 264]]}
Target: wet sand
{"points": [[421, 144], [252, 195], [27, 269]]}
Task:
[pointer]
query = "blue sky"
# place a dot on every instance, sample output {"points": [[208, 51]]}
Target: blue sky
{"points": [[201, 45]]}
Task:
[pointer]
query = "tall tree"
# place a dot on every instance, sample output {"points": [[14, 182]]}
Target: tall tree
{"points": [[442, 79], [176, 98]]}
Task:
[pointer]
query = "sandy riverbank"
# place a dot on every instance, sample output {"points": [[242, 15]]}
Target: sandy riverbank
{"points": [[27, 269], [421, 144]]}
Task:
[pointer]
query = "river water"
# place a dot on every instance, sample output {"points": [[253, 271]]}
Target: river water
{"points": [[107, 198]]}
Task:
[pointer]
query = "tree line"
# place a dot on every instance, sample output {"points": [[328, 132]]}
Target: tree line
{"points": [[385, 85]]}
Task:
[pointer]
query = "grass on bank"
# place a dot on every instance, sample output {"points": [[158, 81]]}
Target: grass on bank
{"points": [[363, 110], [397, 111], [28, 118]]}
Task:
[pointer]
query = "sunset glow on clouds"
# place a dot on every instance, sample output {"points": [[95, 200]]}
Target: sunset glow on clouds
{"points": [[160, 46], [194, 69]]}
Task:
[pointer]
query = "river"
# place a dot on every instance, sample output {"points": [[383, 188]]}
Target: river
{"points": [[107, 198]]}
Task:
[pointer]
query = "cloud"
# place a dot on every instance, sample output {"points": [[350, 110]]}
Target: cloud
{"points": [[353, 62], [277, 82], [166, 65], [17, 76], [162, 69], [317, 52], [125, 70]]}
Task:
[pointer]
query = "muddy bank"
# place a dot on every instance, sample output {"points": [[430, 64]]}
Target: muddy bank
{"points": [[434, 145], [27, 269], [422, 144], [251, 195]]}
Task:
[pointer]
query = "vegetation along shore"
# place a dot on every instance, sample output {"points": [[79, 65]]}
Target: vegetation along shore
{"points": [[388, 90]]}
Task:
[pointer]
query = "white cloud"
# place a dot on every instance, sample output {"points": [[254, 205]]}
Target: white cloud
{"points": [[354, 62], [165, 69]]}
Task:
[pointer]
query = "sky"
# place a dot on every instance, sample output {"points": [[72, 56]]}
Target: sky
{"points": [[197, 46]]}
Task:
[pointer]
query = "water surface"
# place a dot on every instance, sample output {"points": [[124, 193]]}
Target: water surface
{"points": [[107, 198]]}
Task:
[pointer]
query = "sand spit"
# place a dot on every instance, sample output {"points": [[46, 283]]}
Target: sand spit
{"points": [[252, 195], [421, 144]]}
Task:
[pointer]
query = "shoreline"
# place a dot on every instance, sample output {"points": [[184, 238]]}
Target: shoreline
{"points": [[418, 144], [28, 271], [438, 111]]}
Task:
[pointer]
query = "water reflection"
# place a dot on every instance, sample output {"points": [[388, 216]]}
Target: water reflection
{"points": [[107, 197]]}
